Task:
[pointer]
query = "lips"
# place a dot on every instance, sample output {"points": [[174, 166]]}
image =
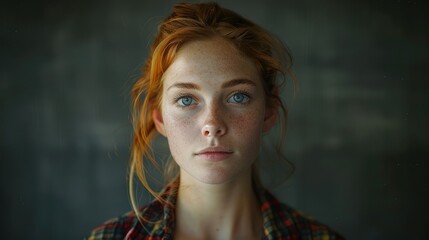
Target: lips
{"points": [[217, 153]]}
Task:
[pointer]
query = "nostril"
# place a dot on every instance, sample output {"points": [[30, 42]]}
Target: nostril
{"points": [[213, 130]]}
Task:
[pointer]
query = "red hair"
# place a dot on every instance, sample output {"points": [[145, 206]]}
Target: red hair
{"points": [[190, 22]]}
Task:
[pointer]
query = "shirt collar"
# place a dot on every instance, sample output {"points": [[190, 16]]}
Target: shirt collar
{"points": [[160, 214]]}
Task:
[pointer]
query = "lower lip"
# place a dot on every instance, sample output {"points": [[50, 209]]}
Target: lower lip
{"points": [[215, 156]]}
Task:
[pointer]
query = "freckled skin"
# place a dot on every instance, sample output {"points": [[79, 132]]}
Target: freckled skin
{"points": [[238, 127]]}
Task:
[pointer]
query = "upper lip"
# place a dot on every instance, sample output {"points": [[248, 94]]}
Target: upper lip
{"points": [[217, 149]]}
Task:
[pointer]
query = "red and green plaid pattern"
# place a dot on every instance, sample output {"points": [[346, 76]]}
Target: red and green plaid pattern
{"points": [[279, 221]]}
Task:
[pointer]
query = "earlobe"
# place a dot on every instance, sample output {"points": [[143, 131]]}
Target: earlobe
{"points": [[159, 122]]}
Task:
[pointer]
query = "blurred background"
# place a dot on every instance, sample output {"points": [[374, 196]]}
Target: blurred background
{"points": [[357, 131]]}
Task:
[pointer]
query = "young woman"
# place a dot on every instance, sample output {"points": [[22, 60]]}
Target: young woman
{"points": [[210, 88]]}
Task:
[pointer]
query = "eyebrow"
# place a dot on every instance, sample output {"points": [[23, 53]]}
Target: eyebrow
{"points": [[185, 86], [228, 84], [235, 82]]}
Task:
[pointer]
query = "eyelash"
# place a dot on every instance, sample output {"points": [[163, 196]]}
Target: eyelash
{"points": [[245, 93], [180, 96]]}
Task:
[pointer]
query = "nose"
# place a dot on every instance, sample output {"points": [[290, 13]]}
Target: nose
{"points": [[213, 125]]}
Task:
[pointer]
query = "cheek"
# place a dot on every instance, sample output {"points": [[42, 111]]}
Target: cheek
{"points": [[179, 131], [246, 131], [247, 125]]}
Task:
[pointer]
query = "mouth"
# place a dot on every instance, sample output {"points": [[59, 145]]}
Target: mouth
{"points": [[214, 153]]}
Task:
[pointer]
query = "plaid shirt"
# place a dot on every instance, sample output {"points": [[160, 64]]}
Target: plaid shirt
{"points": [[279, 221]]}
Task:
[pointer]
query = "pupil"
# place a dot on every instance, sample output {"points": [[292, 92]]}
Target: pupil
{"points": [[238, 98], [186, 100]]}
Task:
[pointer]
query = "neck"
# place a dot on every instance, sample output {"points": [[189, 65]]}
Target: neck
{"points": [[217, 211]]}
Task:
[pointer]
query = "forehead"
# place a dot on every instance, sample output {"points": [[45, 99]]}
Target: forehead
{"points": [[213, 60]]}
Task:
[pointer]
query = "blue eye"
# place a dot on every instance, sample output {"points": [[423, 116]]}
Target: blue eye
{"points": [[185, 101], [239, 98]]}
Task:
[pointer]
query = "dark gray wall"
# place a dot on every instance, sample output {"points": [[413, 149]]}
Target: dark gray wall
{"points": [[357, 131]]}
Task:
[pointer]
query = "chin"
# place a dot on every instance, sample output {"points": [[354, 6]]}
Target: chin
{"points": [[215, 176]]}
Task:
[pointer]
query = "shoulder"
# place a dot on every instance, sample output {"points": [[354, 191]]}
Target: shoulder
{"points": [[128, 225], [287, 223], [307, 226], [115, 228], [155, 220]]}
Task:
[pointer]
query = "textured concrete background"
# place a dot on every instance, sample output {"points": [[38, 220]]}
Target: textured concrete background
{"points": [[357, 131]]}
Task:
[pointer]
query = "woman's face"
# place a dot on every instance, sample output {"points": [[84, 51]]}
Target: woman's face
{"points": [[213, 111]]}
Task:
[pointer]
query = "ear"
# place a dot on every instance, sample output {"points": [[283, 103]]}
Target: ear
{"points": [[270, 118], [271, 111], [159, 122]]}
